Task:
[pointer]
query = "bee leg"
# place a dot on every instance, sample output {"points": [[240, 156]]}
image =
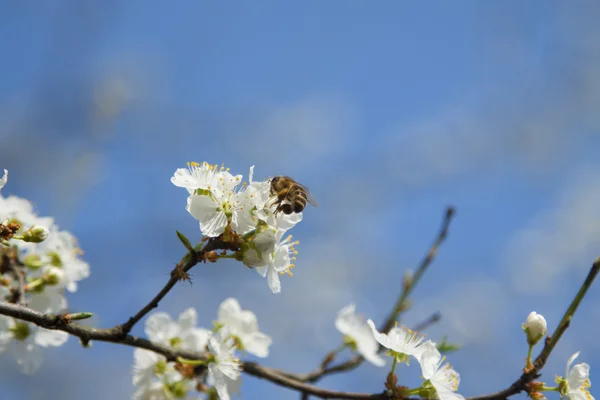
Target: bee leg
{"points": [[281, 195]]}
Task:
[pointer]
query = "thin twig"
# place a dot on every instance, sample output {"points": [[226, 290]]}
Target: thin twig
{"points": [[551, 341], [178, 273], [398, 307], [425, 263], [115, 335]]}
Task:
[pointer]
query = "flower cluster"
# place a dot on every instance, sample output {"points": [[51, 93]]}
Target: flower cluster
{"points": [[218, 373], [39, 263], [241, 213]]}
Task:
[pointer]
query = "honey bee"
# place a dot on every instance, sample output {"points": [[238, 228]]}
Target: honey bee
{"points": [[292, 196]]}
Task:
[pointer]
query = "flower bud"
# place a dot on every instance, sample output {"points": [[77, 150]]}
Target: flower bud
{"points": [[265, 241], [535, 328], [35, 234], [255, 253]]}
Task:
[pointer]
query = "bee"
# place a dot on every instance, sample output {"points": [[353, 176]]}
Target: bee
{"points": [[292, 196]]}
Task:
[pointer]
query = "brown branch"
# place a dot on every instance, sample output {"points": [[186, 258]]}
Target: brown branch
{"points": [[520, 384], [275, 377], [425, 263], [10, 264], [115, 335], [399, 307], [179, 273]]}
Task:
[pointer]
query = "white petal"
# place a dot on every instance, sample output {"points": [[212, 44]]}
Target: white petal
{"points": [[187, 319], [28, 356], [445, 393], [344, 320], [380, 337], [262, 271], [373, 358], [281, 258], [273, 280], [229, 310], [143, 366], [4, 179], [183, 178], [571, 359], [196, 339], [159, 327], [258, 344], [48, 338], [243, 221], [205, 210], [250, 174], [579, 374], [219, 381]]}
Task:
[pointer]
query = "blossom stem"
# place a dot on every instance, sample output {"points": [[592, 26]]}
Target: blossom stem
{"points": [[190, 362], [528, 364], [549, 389], [34, 284], [393, 365], [410, 392]]}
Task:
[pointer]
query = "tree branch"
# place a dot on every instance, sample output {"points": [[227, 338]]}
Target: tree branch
{"points": [[178, 273], [115, 335], [399, 307], [520, 384]]}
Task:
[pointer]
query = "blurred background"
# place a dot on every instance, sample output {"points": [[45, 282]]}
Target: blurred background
{"points": [[388, 111]]}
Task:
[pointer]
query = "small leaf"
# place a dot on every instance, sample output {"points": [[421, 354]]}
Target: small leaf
{"points": [[185, 241], [445, 347]]}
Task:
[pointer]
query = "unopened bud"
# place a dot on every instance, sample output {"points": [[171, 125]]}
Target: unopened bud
{"points": [[535, 328], [265, 240], [536, 395], [212, 256], [35, 234], [33, 261]]}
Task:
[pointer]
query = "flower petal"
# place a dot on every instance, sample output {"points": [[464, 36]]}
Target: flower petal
{"points": [[187, 319], [258, 344], [49, 338], [273, 280]]}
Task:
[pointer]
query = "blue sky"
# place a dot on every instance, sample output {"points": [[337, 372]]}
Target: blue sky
{"points": [[388, 111]]}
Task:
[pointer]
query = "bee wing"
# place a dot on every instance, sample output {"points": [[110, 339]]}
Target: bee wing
{"points": [[309, 196]]}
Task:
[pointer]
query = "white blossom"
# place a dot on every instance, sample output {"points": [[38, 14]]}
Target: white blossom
{"points": [[535, 327], [50, 300], [444, 378], [203, 176], [355, 328], [156, 379], [26, 341], [181, 334], [224, 367], [61, 251], [19, 210], [4, 179], [401, 340], [222, 206], [280, 261], [243, 326], [578, 380]]}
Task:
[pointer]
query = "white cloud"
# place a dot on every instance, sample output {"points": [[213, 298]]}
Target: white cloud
{"points": [[561, 241], [304, 133]]}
